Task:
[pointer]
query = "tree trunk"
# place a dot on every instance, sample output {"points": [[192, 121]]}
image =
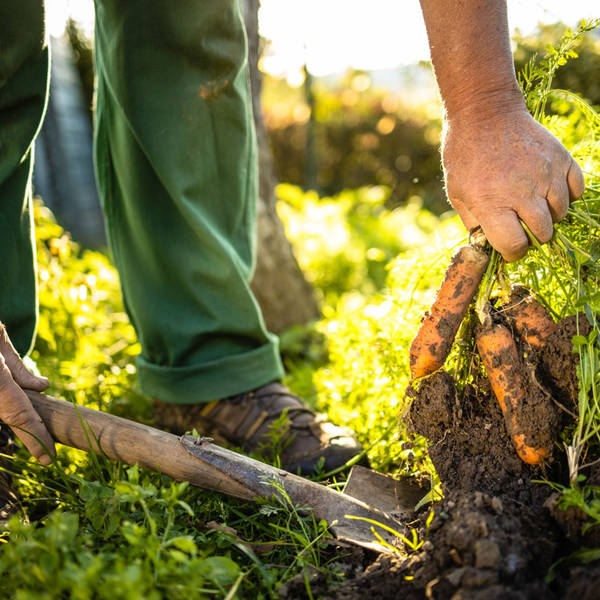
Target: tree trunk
{"points": [[286, 298]]}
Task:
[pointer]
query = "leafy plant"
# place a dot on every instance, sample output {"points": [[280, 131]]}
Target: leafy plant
{"points": [[537, 75]]}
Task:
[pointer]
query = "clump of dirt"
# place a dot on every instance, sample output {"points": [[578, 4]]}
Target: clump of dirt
{"points": [[467, 437], [557, 367], [584, 583], [495, 534], [478, 547]]}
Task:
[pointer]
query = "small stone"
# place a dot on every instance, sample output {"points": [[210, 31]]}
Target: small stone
{"points": [[476, 523], [497, 504], [455, 576], [513, 563], [428, 546], [487, 554], [455, 556]]}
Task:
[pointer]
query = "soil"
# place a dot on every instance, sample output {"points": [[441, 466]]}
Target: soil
{"points": [[497, 531]]}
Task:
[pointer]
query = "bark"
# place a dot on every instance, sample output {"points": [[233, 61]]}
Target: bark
{"points": [[286, 298]]}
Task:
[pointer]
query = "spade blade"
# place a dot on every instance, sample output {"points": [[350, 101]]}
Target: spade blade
{"points": [[395, 497]]}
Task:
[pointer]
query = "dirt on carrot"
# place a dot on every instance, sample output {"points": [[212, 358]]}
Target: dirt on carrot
{"points": [[433, 341], [528, 318], [529, 413]]}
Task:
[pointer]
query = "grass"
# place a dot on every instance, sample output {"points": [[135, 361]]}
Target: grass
{"points": [[88, 527]]}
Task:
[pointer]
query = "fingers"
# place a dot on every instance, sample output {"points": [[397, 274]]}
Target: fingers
{"points": [[19, 371], [504, 232], [17, 412], [535, 213], [575, 181], [558, 200]]}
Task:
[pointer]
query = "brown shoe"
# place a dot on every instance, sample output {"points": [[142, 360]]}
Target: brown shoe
{"points": [[269, 420]]}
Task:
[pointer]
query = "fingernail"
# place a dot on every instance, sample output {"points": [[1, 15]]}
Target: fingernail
{"points": [[45, 460]]}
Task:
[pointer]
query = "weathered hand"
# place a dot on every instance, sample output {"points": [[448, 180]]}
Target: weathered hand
{"points": [[506, 168], [15, 408]]}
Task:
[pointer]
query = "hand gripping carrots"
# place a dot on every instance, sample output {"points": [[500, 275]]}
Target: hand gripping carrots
{"points": [[431, 346]]}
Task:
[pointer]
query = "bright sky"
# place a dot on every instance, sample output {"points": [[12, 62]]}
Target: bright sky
{"points": [[332, 35]]}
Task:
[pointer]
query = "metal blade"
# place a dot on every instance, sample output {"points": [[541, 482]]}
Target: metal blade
{"points": [[350, 519], [396, 497]]}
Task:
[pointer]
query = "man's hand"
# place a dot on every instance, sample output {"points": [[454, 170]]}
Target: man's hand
{"points": [[506, 168], [15, 408], [501, 167]]}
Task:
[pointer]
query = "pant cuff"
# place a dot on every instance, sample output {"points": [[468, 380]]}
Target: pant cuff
{"points": [[211, 381]]}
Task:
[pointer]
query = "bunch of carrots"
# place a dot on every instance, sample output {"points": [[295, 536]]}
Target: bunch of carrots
{"points": [[520, 316]]}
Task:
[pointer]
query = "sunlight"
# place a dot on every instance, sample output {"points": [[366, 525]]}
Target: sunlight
{"points": [[330, 36], [334, 35]]}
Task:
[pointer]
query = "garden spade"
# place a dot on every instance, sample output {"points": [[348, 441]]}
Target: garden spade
{"points": [[353, 516]]}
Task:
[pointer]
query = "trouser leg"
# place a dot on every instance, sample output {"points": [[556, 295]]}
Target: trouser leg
{"points": [[23, 92], [176, 167]]}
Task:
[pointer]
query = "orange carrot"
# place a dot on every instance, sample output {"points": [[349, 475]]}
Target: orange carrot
{"points": [[431, 346], [502, 363], [530, 319]]}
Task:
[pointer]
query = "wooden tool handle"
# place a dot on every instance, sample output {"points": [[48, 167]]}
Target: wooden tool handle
{"points": [[208, 466], [129, 442]]}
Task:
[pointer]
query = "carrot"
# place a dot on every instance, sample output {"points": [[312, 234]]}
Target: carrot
{"points": [[431, 346], [502, 363], [529, 318]]}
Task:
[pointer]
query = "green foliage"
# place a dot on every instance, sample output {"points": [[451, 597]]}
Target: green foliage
{"points": [[99, 523], [362, 137], [536, 77], [345, 243], [581, 74], [85, 343], [143, 549]]}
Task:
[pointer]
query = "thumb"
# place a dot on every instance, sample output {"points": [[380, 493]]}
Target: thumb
{"points": [[18, 413]]}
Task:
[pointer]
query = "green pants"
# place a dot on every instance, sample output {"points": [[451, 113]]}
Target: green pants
{"points": [[175, 156]]}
